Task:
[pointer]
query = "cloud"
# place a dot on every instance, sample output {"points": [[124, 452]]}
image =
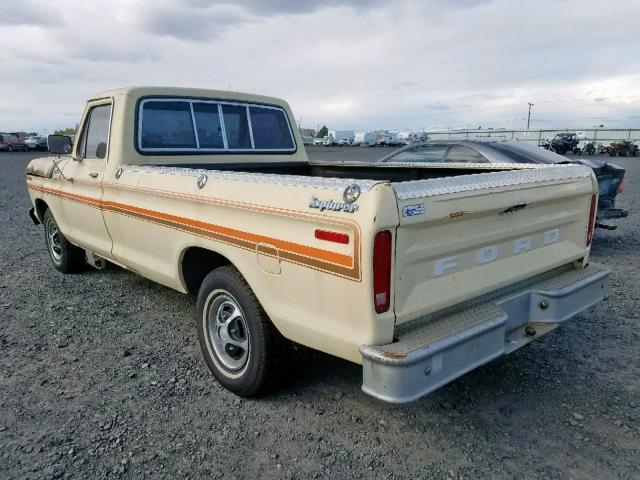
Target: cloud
{"points": [[468, 3], [111, 51], [197, 20], [404, 84], [193, 24], [28, 13], [437, 106], [287, 7], [396, 64]]}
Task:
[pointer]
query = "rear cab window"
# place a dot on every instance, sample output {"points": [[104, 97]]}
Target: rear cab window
{"points": [[189, 126]]}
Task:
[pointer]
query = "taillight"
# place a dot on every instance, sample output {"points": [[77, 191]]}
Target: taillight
{"points": [[620, 187], [382, 271], [592, 219]]}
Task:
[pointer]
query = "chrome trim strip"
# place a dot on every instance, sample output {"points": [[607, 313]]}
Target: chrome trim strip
{"points": [[292, 180], [466, 183]]}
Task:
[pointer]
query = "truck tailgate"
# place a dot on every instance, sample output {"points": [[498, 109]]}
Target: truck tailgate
{"points": [[461, 237]]}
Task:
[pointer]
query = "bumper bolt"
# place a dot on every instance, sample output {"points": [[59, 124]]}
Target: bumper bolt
{"points": [[530, 331], [427, 371], [543, 304]]}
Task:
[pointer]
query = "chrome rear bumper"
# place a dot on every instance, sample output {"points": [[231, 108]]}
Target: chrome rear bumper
{"points": [[434, 350]]}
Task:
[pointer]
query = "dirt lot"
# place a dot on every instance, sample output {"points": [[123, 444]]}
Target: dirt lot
{"points": [[101, 377]]}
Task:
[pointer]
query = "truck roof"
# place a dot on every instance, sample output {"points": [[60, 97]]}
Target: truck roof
{"points": [[143, 91], [124, 127]]}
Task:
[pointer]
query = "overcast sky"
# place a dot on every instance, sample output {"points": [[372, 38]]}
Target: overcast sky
{"points": [[358, 64]]}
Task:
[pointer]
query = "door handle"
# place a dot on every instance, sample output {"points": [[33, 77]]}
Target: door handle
{"points": [[93, 175]]}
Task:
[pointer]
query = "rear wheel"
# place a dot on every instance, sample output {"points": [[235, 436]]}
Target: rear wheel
{"points": [[65, 257], [242, 348]]}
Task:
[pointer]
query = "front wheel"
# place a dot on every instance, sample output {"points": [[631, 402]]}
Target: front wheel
{"points": [[242, 348], [65, 257]]}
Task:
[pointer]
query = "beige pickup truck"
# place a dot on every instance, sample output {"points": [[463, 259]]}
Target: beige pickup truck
{"points": [[420, 273]]}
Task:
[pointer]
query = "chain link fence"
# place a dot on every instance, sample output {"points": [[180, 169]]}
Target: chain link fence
{"points": [[537, 137]]}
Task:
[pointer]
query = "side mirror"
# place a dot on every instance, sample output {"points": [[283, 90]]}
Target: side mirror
{"points": [[59, 144]]}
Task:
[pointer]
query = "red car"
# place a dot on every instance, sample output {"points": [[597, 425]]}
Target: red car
{"points": [[11, 143]]}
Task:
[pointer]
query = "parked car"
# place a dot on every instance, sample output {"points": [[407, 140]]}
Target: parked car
{"points": [[307, 140], [11, 143], [209, 191], [624, 149], [481, 152], [36, 143]]}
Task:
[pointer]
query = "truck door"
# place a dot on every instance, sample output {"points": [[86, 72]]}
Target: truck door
{"points": [[82, 194]]}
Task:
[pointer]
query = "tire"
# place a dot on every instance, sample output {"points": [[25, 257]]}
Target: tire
{"points": [[65, 257], [242, 348]]}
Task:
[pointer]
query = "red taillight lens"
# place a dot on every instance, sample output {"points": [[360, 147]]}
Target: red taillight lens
{"points": [[620, 187], [330, 236], [592, 219], [382, 271]]}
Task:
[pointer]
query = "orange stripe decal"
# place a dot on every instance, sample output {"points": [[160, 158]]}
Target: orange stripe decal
{"points": [[317, 258]]}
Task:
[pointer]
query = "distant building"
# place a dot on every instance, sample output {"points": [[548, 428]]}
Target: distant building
{"points": [[307, 132]]}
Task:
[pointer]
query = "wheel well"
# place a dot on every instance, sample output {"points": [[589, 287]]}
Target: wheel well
{"points": [[197, 262], [40, 207]]}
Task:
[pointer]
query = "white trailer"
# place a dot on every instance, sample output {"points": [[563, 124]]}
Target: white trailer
{"points": [[403, 138], [371, 137], [338, 137], [358, 138], [390, 138]]}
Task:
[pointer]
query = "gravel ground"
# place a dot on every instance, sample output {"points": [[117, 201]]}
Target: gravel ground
{"points": [[101, 377]]}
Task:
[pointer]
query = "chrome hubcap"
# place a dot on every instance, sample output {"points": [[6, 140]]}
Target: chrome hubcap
{"points": [[53, 240], [227, 331]]}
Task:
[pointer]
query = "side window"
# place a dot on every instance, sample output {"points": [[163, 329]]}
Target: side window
{"points": [[425, 153], [270, 129], [166, 124], [463, 154], [208, 125], [236, 126], [95, 134]]}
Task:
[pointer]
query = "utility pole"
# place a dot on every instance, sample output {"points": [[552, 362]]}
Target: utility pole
{"points": [[529, 116]]}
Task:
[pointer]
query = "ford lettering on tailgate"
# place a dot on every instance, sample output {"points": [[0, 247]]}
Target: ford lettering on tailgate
{"points": [[491, 253]]}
